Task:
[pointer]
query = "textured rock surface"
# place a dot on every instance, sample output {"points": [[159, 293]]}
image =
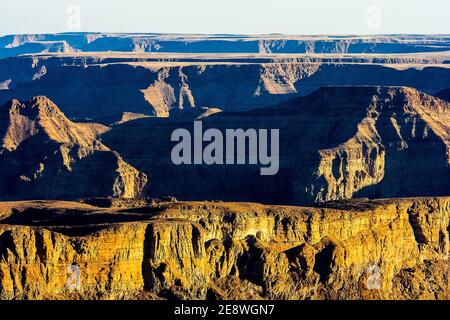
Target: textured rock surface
{"points": [[395, 118], [45, 155], [381, 249], [337, 143], [104, 85]]}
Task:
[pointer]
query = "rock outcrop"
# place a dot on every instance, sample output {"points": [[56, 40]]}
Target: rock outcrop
{"points": [[337, 143], [45, 155], [359, 249], [395, 120]]}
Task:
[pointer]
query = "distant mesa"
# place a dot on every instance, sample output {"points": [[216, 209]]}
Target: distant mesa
{"points": [[13, 45], [113, 87]]}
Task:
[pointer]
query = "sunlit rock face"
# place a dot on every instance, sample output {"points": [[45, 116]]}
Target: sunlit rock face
{"points": [[359, 249], [88, 117]]}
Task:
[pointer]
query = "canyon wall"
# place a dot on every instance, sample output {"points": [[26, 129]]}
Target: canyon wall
{"points": [[358, 116], [44, 155], [359, 249], [103, 88], [337, 143]]}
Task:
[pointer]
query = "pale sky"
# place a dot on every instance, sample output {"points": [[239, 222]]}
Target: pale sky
{"points": [[226, 16]]}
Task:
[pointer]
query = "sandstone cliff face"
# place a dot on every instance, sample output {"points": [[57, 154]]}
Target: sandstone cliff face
{"points": [[383, 249], [281, 77], [45, 155], [350, 167]]}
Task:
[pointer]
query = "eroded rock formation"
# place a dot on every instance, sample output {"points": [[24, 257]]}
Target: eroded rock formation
{"points": [[104, 85], [45, 155], [395, 118], [337, 143], [381, 249]]}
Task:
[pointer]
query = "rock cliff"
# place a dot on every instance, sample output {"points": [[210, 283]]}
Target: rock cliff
{"points": [[45, 155], [359, 249], [337, 143]]}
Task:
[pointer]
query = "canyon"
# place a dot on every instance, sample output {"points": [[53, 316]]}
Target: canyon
{"points": [[336, 143], [44, 154], [92, 205]]}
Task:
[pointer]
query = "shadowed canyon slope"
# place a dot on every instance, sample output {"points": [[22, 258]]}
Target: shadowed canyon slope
{"points": [[45, 155], [383, 249], [106, 85], [337, 143]]}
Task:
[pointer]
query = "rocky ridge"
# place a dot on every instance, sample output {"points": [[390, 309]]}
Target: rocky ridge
{"points": [[344, 142], [45, 155], [359, 249], [336, 143], [152, 84]]}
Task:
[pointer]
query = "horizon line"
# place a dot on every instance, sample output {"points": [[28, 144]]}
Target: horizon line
{"points": [[227, 34]]}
